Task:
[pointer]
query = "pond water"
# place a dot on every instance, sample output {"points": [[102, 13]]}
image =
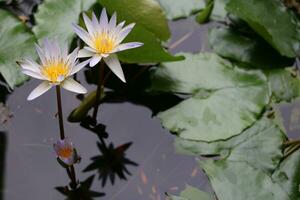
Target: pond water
{"points": [[30, 170]]}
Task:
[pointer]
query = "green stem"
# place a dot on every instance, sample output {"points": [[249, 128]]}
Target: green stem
{"points": [[99, 88], [70, 171], [60, 114]]}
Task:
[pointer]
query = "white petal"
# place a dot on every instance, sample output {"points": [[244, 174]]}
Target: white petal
{"points": [[29, 64], [71, 58], [125, 46], [39, 90], [114, 64], [113, 21], [103, 19], [95, 60], [82, 34], [41, 54], [96, 25], [84, 53], [90, 49], [73, 86], [105, 55], [88, 24], [124, 32], [79, 66], [33, 74]]}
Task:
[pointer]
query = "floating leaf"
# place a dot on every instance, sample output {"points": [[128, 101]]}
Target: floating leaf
{"points": [[145, 13], [260, 146], [287, 175], [150, 52], [54, 18], [217, 88], [151, 24], [176, 9], [238, 180], [192, 193], [251, 51], [283, 84], [16, 42], [278, 26]]}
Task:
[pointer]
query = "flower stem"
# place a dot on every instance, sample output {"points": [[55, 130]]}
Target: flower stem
{"points": [[71, 171], [60, 114], [99, 88], [73, 177]]}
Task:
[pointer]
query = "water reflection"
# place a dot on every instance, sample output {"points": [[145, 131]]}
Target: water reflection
{"points": [[2, 161]]}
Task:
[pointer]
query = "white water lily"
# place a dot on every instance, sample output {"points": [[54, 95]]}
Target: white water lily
{"points": [[55, 69], [104, 40]]}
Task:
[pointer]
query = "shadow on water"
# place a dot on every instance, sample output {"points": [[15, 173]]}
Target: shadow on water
{"points": [[2, 162], [83, 192]]}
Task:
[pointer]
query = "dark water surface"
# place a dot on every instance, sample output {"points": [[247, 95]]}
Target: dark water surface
{"points": [[31, 171]]}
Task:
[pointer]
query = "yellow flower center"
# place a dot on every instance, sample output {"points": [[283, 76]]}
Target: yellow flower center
{"points": [[55, 70], [65, 152], [104, 43]]}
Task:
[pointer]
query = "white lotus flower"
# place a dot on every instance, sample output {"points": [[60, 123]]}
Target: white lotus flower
{"points": [[64, 150], [55, 69], [104, 39]]}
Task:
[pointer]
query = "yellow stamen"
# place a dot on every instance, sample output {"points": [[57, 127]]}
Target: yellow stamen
{"points": [[104, 43], [54, 70], [65, 152]]}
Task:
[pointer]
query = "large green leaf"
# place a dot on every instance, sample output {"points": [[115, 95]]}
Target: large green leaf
{"points": [[273, 21], [249, 50], [217, 89], [16, 42], [176, 9], [150, 52], [192, 193], [237, 180], [145, 13], [151, 25], [54, 18], [260, 145], [283, 84], [287, 175]]}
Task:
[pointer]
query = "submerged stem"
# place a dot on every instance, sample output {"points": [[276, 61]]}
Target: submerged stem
{"points": [[99, 88], [60, 114]]}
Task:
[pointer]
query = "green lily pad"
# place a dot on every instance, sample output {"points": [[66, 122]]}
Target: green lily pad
{"points": [[145, 13], [176, 9], [150, 52], [16, 42], [287, 175], [260, 145], [217, 89], [284, 85], [54, 18], [272, 21], [238, 180], [192, 193], [248, 50]]}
